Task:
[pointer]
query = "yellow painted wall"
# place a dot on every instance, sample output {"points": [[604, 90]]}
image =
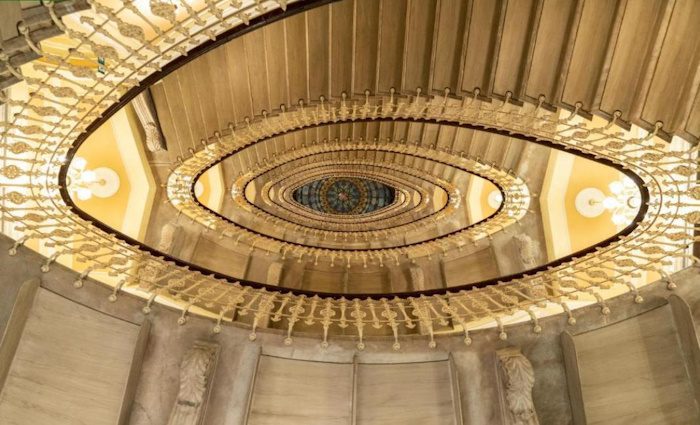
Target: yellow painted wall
{"points": [[100, 150], [585, 231]]}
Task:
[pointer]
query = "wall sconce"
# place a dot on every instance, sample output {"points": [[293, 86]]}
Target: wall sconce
{"points": [[198, 189], [495, 199], [83, 184], [623, 204]]}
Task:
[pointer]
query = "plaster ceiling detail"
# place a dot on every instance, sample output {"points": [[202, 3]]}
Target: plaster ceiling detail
{"points": [[49, 125]]}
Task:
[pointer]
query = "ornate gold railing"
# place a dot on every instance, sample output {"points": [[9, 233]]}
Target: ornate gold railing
{"points": [[179, 190], [66, 100]]}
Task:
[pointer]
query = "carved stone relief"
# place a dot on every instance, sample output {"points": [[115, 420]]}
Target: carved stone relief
{"points": [[516, 378], [530, 254], [196, 371], [146, 112], [528, 249], [167, 237]]}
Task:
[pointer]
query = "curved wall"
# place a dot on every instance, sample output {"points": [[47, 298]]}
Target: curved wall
{"points": [[464, 381]]}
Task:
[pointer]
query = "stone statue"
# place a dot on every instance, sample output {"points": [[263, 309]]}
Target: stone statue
{"points": [[167, 237], [196, 372], [528, 249], [517, 380]]}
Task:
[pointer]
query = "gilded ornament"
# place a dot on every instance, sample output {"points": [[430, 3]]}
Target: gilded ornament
{"points": [[16, 198], [11, 171], [19, 148], [163, 10], [693, 217]]}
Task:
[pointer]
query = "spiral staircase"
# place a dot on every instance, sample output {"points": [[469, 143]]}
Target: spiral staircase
{"points": [[349, 212]]}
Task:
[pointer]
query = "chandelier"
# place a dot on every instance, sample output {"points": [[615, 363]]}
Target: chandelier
{"points": [[623, 202], [83, 183]]}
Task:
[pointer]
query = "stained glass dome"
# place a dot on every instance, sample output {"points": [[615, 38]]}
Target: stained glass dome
{"points": [[345, 195]]}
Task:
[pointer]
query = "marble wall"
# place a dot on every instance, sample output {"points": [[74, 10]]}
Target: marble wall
{"points": [[71, 366]]}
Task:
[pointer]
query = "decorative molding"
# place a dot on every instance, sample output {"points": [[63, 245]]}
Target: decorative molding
{"points": [[167, 237], [528, 250], [530, 254], [146, 112], [516, 378], [196, 372]]}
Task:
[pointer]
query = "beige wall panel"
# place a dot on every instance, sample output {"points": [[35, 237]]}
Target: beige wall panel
{"points": [[191, 90], [71, 366], [294, 392], [463, 139], [254, 43], [484, 19], [693, 126], [298, 76], [551, 36], [633, 372], [419, 44], [393, 23], [257, 268], [325, 280], [478, 143], [177, 112], [446, 137], [367, 15], [497, 148], [220, 94], [19, 308], [319, 51], [370, 281], [341, 47], [404, 394], [474, 267], [276, 64], [451, 20], [201, 70], [210, 255], [677, 65], [589, 51], [238, 78], [627, 64], [513, 47]]}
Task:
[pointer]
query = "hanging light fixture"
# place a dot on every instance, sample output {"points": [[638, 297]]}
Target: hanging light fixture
{"points": [[83, 183], [623, 203], [495, 199]]}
